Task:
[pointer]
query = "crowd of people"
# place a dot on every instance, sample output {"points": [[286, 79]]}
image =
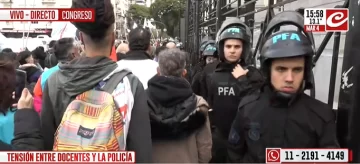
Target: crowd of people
{"points": [[132, 96]]}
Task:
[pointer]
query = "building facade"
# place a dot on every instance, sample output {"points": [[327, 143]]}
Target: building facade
{"points": [[149, 2], [121, 7], [142, 2]]}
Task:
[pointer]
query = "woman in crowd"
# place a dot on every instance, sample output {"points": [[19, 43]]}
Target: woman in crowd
{"points": [[19, 128], [27, 64]]}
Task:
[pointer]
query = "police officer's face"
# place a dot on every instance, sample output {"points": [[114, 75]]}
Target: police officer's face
{"points": [[233, 49], [210, 59], [287, 74]]}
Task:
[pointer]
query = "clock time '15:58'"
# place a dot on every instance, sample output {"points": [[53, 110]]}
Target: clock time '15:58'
{"points": [[314, 13]]}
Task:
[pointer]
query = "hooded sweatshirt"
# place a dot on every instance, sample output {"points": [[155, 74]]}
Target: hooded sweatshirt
{"points": [[83, 74], [180, 126], [39, 86]]}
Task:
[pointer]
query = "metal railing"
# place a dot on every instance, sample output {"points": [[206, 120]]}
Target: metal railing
{"points": [[204, 18]]}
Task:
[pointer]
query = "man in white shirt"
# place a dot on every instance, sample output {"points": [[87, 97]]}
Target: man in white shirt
{"points": [[138, 60]]}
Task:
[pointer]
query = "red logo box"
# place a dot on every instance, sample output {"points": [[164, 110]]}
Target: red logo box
{"points": [[273, 155], [337, 20]]}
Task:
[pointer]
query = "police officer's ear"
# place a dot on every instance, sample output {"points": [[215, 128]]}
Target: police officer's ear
{"points": [[184, 73], [158, 70]]}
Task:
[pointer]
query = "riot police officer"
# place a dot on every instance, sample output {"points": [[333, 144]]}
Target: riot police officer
{"points": [[200, 65], [231, 80], [209, 56], [280, 114]]}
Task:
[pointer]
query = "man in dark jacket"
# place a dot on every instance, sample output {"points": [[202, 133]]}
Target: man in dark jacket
{"points": [[200, 65], [281, 115], [210, 56], [230, 82], [86, 72]]}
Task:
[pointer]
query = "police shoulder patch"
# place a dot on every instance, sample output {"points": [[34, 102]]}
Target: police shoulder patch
{"points": [[254, 131], [234, 137]]}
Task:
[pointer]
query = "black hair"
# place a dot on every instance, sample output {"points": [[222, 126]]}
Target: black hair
{"points": [[23, 55], [139, 39], [7, 83], [62, 48], [104, 18], [52, 43], [41, 48], [8, 56], [39, 53], [7, 50], [50, 60]]}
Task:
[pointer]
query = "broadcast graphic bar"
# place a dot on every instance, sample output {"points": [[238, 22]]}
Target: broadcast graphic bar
{"points": [[26, 14]]}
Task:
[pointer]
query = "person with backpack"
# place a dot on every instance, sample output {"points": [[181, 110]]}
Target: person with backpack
{"points": [[90, 103]]}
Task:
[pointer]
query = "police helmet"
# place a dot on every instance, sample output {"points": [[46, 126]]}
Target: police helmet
{"points": [[288, 43], [204, 40], [210, 49], [234, 28]]}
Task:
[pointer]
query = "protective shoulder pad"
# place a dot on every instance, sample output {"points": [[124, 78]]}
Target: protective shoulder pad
{"points": [[322, 110], [249, 99]]}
